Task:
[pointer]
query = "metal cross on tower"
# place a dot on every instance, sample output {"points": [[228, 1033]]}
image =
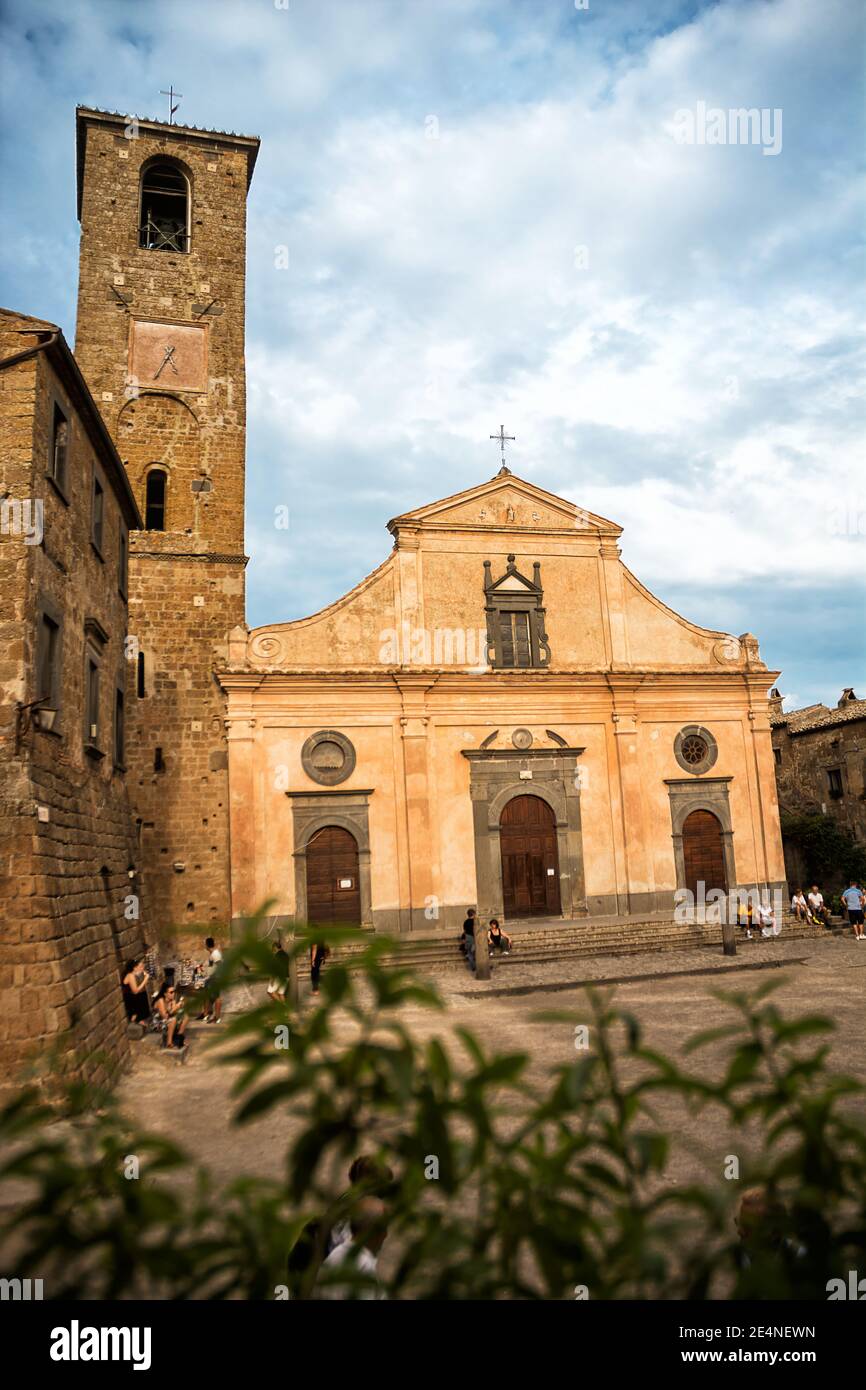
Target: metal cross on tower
{"points": [[502, 437], [171, 94]]}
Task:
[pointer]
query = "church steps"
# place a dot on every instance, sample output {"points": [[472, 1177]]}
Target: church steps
{"points": [[575, 939]]}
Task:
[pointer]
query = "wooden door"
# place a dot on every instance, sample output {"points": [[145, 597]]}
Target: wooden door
{"points": [[333, 883], [703, 852], [530, 861]]}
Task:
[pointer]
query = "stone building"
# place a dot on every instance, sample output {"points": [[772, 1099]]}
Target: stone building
{"points": [[820, 757], [160, 339], [69, 891], [500, 714]]}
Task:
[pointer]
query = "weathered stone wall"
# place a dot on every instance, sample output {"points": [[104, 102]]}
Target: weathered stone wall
{"points": [[69, 912], [187, 581]]}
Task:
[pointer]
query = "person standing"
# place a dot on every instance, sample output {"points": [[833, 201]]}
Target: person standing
{"points": [[212, 998], [135, 979], [318, 954], [469, 937], [853, 899]]}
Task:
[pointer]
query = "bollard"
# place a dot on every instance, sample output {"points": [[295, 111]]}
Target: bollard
{"points": [[729, 940], [482, 954]]}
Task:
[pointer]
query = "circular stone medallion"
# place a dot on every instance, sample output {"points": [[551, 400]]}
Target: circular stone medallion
{"points": [[328, 757], [522, 738]]}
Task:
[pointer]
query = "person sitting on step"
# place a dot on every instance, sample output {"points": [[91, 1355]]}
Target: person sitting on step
{"points": [[497, 938], [170, 1013]]}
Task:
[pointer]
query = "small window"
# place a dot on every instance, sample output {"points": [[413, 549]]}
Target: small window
{"points": [[164, 217], [154, 505], [119, 732], [158, 760], [834, 780], [59, 448], [140, 676], [122, 560], [777, 754], [48, 662], [97, 531], [91, 702]]}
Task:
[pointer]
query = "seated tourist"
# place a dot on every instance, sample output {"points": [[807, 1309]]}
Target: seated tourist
{"points": [[766, 920], [134, 983], [800, 907], [815, 899], [497, 938], [744, 917], [169, 1009]]}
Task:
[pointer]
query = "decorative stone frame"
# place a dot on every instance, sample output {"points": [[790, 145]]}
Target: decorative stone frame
{"points": [[324, 776], [710, 794], [526, 597], [313, 811], [712, 753], [495, 779]]}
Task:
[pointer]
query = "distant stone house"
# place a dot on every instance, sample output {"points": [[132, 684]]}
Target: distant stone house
{"points": [[69, 896], [820, 757]]}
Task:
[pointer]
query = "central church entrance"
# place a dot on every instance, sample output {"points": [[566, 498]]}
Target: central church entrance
{"points": [[333, 882], [703, 853], [530, 861]]}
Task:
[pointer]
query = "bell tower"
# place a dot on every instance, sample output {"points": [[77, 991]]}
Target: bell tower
{"points": [[160, 339]]}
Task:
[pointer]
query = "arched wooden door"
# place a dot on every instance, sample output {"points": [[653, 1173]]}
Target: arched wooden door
{"points": [[703, 852], [333, 882], [530, 860]]}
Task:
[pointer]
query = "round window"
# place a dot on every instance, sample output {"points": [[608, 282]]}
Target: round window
{"points": [[695, 749]]}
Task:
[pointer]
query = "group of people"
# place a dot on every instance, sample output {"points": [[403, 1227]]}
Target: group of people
{"points": [[497, 939], [165, 1011], [811, 907]]}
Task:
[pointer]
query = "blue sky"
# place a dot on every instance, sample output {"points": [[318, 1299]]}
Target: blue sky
{"points": [[489, 217]]}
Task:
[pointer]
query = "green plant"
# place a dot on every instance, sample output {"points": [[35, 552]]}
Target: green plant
{"points": [[541, 1190]]}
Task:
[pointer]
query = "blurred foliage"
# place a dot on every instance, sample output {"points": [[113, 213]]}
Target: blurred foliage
{"points": [[544, 1189]]}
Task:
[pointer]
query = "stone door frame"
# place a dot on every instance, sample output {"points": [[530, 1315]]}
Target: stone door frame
{"points": [[314, 811], [689, 794], [494, 781]]}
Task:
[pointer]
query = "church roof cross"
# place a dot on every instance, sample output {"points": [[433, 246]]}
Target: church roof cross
{"points": [[503, 438]]}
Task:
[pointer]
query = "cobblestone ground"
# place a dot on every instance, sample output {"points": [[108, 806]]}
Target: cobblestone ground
{"points": [[672, 994]]}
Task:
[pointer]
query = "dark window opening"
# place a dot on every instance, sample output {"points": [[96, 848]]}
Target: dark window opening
{"points": [[98, 514], [59, 447], [140, 676], [119, 732], [92, 701], [834, 779], [164, 209], [154, 503], [123, 560], [48, 669], [158, 763], [777, 754]]}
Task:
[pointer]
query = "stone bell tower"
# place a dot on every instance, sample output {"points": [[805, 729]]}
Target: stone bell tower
{"points": [[160, 339]]}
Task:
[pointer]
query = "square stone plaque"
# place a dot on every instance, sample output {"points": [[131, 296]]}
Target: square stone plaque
{"points": [[168, 356]]}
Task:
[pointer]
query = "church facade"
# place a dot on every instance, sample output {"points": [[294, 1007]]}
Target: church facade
{"points": [[499, 715]]}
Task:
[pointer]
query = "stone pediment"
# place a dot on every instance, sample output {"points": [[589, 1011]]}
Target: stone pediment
{"points": [[506, 503]]}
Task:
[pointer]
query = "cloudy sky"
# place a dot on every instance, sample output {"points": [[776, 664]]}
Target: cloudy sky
{"points": [[492, 212]]}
